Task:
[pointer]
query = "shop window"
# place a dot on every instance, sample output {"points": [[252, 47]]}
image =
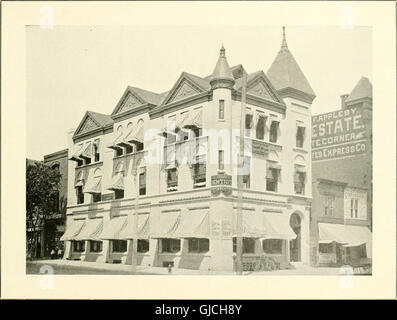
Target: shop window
{"points": [[248, 124], [118, 194], [329, 206], [354, 208], [80, 194], [272, 246], [260, 128], [142, 183], [272, 179], [172, 179], [300, 137], [325, 248], [221, 109], [199, 175], [299, 182], [198, 245], [129, 149], [78, 246], [119, 152], [273, 135], [221, 160], [143, 245], [170, 245], [119, 245], [96, 197], [248, 245], [95, 246]]}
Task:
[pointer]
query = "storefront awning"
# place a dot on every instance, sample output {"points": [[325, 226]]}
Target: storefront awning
{"points": [[252, 227], [73, 230], [277, 226], [165, 224], [117, 182], [93, 185], [112, 228], [91, 230], [143, 227], [344, 234], [194, 225], [193, 120]]}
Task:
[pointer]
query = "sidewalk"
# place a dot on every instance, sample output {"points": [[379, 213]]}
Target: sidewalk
{"points": [[299, 269]]}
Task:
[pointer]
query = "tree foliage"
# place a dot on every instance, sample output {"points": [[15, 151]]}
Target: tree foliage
{"points": [[42, 194]]}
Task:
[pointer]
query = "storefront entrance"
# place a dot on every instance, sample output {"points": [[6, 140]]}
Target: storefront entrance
{"points": [[295, 244]]}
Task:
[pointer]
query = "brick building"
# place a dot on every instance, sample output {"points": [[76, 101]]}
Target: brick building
{"points": [[341, 221], [133, 177]]}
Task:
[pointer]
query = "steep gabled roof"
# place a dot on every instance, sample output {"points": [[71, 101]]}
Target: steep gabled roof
{"points": [[102, 119], [362, 90], [134, 97], [93, 121], [286, 73]]}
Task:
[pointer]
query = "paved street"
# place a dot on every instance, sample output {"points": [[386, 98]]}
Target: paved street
{"points": [[82, 267]]}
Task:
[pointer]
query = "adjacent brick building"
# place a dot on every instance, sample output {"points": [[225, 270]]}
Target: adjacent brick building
{"points": [[342, 180]]}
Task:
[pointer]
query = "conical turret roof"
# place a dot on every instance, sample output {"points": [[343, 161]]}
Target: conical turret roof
{"points": [[362, 90], [286, 73], [222, 69]]}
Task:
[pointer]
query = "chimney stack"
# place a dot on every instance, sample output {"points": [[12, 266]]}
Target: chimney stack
{"points": [[343, 98]]}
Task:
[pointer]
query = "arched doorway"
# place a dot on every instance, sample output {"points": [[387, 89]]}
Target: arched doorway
{"points": [[295, 244]]}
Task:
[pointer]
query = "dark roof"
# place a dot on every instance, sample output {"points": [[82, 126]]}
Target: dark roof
{"points": [[286, 73], [102, 119], [148, 96], [363, 89]]}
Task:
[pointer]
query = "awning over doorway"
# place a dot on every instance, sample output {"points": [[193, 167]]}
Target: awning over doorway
{"points": [[277, 226], [91, 231], [194, 224], [73, 230], [143, 227], [113, 227], [344, 234]]}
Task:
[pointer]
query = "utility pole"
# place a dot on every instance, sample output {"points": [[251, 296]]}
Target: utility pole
{"points": [[239, 218], [135, 225]]}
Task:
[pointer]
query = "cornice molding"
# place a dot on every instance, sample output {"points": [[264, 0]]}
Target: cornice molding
{"points": [[260, 102]]}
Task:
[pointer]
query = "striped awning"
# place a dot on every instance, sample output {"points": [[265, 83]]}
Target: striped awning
{"points": [[91, 230], [113, 227], [73, 230], [142, 228], [117, 182], [135, 136], [165, 224], [93, 185], [252, 225], [193, 224], [277, 226], [77, 153]]}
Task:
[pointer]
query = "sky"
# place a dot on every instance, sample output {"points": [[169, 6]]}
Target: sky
{"points": [[74, 69]]}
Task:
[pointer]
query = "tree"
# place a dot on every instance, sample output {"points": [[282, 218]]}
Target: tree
{"points": [[42, 190]]}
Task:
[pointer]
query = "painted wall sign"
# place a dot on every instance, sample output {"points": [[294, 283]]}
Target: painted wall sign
{"points": [[260, 147], [338, 134]]}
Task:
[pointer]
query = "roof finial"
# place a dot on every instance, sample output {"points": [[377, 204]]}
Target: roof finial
{"points": [[284, 43], [222, 51]]}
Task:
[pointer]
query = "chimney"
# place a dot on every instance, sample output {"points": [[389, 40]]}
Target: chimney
{"points": [[343, 98]]}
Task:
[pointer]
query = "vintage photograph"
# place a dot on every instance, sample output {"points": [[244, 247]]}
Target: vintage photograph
{"points": [[193, 150]]}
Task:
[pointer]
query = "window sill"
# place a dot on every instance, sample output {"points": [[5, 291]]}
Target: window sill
{"points": [[302, 150], [90, 165]]}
